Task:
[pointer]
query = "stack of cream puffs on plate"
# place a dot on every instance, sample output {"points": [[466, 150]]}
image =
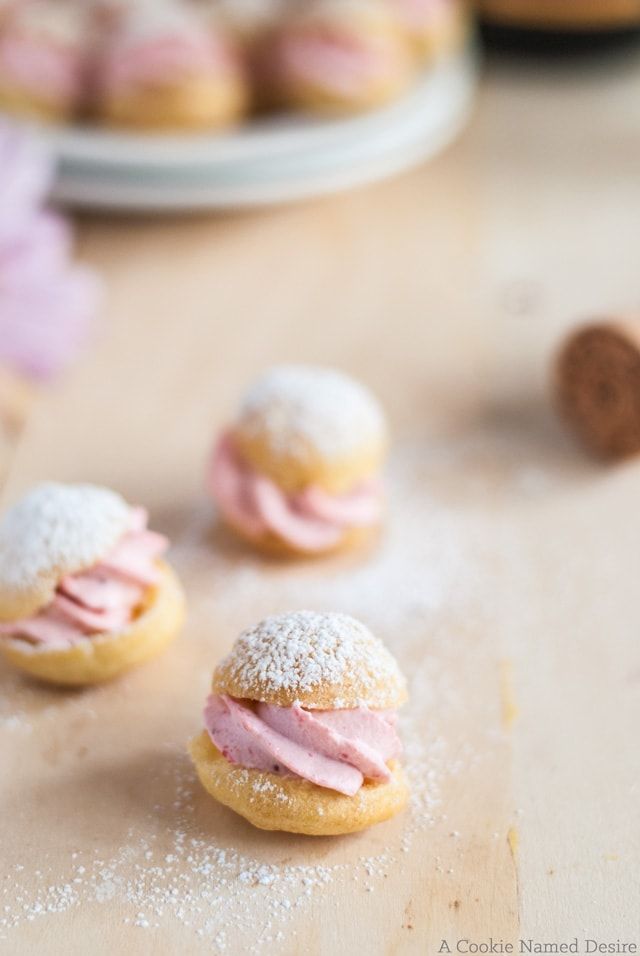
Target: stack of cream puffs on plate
{"points": [[181, 66]]}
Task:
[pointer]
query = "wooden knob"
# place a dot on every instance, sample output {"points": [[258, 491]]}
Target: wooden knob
{"points": [[597, 385]]}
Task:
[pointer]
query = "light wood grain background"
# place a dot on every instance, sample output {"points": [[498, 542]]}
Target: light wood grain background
{"points": [[447, 290]]}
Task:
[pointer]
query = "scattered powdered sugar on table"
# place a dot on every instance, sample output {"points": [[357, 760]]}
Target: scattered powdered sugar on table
{"points": [[426, 557], [25, 706], [212, 890]]}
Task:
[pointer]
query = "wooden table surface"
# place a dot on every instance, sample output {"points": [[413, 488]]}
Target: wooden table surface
{"points": [[506, 581]]}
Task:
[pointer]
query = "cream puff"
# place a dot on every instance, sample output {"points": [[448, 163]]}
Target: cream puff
{"points": [[337, 57], [300, 732], [84, 591], [164, 68], [45, 48], [298, 471]]}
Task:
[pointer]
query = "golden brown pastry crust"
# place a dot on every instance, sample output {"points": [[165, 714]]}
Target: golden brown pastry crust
{"points": [[303, 425], [273, 546], [293, 472], [312, 98], [273, 802], [104, 656], [23, 103], [197, 103], [366, 21]]}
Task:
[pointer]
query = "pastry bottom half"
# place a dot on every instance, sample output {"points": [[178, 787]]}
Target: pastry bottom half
{"points": [[313, 98], [21, 102], [104, 656], [272, 802], [272, 545], [195, 104]]}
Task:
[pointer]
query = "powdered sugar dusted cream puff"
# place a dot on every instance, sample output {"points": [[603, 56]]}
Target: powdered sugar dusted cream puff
{"points": [[434, 27], [84, 592], [298, 471], [337, 56], [163, 68], [44, 58], [300, 730]]}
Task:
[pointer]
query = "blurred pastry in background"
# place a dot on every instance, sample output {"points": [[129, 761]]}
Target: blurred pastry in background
{"points": [[337, 57], [207, 64], [251, 24], [247, 19], [45, 58], [298, 471], [84, 592], [434, 27], [163, 68]]}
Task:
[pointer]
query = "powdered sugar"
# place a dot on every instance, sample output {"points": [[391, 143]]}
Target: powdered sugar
{"points": [[55, 530], [301, 651], [309, 409]]}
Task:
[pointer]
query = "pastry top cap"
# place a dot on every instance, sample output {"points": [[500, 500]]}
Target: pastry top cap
{"points": [[54, 530], [304, 411], [322, 661]]}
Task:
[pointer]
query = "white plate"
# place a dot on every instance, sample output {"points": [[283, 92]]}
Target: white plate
{"points": [[267, 162]]}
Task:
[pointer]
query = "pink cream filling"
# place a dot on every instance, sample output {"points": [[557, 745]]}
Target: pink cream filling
{"points": [[332, 61], [336, 749], [162, 59], [101, 599], [312, 520]]}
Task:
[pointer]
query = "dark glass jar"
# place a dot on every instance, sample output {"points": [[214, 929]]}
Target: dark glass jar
{"points": [[559, 24]]}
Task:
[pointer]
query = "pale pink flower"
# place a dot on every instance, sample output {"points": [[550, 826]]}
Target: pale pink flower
{"points": [[47, 303], [26, 174]]}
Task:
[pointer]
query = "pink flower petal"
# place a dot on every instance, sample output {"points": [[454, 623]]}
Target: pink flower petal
{"points": [[26, 174]]}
